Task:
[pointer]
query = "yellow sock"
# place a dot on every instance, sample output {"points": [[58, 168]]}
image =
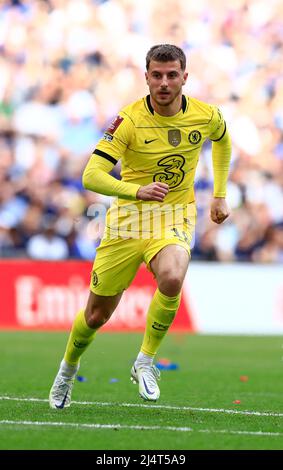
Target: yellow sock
{"points": [[80, 337], [161, 313]]}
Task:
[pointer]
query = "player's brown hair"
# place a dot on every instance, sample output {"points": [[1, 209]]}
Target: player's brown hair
{"points": [[166, 53]]}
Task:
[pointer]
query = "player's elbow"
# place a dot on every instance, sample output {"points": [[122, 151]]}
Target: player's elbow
{"points": [[88, 179]]}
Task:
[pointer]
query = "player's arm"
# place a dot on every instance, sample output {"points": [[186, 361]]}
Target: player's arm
{"points": [[221, 156], [96, 178]]}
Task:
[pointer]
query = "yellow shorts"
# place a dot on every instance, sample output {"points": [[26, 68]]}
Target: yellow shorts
{"points": [[117, 260]]}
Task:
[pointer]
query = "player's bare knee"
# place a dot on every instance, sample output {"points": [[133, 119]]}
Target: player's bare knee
{"points": [[99, 309], [170, 284], [96, 317]]}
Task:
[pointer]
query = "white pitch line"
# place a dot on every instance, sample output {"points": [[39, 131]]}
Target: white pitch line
{"points": [[135, 427], [229, 431], [96, 425], [162, 407]]}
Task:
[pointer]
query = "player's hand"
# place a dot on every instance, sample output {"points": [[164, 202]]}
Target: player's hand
{"points": [[219, 210], [153, 192]]}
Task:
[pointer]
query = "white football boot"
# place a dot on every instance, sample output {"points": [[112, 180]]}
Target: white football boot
{"points": [[146, 376], [61, 390]]}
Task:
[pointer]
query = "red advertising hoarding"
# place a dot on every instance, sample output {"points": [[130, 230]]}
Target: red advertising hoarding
{"points": [[42, 295]]}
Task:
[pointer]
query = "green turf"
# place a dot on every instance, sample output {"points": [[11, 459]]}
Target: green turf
{"points": [[208, 377]]}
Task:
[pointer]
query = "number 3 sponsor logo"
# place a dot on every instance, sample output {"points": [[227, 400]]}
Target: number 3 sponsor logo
{"points": [[172, 170]]}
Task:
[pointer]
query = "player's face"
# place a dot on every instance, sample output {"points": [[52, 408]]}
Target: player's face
{"points": [[165, 81]]}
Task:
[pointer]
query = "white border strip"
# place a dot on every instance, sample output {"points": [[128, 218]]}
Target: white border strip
{"points": [[138, 428], [163, 407]]}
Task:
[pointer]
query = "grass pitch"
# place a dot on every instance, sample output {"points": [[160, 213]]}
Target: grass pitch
{"points": [[197, 408]]}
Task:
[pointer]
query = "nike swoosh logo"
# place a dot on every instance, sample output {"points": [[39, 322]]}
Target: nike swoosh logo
{"points": [[149, 141], [60, 407], [145, 386]]}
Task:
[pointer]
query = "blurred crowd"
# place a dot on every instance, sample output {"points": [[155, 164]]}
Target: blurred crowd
{"points": [[68, 66]]}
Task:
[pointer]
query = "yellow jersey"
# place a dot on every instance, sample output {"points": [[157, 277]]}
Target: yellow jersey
{"points": [[161, 148]]}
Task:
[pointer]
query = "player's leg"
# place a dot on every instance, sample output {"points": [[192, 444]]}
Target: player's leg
{"points": [[169, 266], [98, 311], [114, 268]]}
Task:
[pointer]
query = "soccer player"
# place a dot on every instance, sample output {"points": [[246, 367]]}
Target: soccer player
{"points": [[158, 139]]}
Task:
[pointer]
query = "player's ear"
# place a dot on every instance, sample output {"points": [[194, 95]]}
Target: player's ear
{"points": [[185, 78], [146, 77]]}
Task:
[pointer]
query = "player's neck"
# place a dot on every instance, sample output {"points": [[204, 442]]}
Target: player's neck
{"points": [[167, 110]]}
